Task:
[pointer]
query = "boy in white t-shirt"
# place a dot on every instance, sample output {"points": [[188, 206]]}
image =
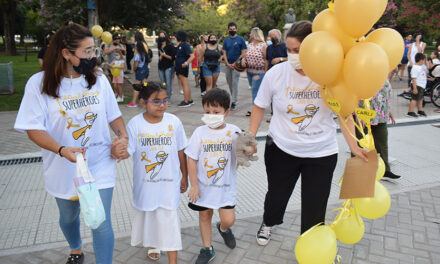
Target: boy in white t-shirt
{"points": [[212, 171], [418, 75]]}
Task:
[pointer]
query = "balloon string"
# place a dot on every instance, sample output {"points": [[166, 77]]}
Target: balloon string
{"points": [[339, 259], [310, 229]]}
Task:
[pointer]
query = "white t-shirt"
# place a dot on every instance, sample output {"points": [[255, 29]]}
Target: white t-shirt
{"points": [[78, 118], [435, 61], [419, 72], [156, 166], [301, 125], [414, 51], [216, 167], [120, 63]]}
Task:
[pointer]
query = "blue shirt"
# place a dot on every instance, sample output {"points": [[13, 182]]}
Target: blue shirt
{"points": [[233, 48], [183, 53], [407, 45], [277, 51]]}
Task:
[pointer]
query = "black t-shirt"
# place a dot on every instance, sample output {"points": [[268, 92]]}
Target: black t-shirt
{"points": [[165, 63], [42, 52], [277, 51]]}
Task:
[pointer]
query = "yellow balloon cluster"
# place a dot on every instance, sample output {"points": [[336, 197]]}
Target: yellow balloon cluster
{"points": [[349, 66], [365, 62], [105, 36]]}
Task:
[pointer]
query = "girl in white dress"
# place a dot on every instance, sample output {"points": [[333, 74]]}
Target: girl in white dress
{"points": [[156, 143]]}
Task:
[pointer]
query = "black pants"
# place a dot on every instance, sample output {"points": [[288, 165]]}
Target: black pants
{"points": [[380, 136], [202, 81], [283, 171], [409, 76]]}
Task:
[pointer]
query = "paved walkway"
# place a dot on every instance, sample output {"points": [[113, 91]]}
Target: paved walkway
{"points": [[409, 233]]}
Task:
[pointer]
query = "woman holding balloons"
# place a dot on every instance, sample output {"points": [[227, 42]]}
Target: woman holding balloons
{"points": [[301, 139]]}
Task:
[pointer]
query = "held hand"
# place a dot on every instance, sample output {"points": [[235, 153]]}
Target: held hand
{"points": [[415, 91], [184, 65], [252, 152], [70, 153], [119, 149], [183, 185], [194, 194], [230, 66], [360, 153]]}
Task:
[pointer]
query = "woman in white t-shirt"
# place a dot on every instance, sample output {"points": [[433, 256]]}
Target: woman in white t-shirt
{"points": [[157, 142], [416, 47], [66, 109], [301, 139]]}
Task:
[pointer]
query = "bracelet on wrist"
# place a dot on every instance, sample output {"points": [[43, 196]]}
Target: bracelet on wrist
{"points": [[59, 150]]}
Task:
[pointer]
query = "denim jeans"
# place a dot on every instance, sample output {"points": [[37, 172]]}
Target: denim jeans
{"points": [[232, 78], [255, 84], [103, 237], [165, 77]]}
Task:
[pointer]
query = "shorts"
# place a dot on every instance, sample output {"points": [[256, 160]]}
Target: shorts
{"points": [[142, 73], [404, 60], [195, 72], [118, 79], [419, 95], [201, 208], [207, 72], [182, 71]]}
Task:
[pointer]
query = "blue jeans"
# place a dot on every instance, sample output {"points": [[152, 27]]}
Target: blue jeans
{"points": [[103, 237], [166, 77], [255, 84]]}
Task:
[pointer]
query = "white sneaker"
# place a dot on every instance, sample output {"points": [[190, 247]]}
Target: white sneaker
{"points": [[181, 91], [263, 235], [119, 99]]}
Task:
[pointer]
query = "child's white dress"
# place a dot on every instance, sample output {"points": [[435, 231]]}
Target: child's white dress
{"points": [[156, 181]]}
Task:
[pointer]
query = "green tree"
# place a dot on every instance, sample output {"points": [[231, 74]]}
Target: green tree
{"points": [[8, 11]]}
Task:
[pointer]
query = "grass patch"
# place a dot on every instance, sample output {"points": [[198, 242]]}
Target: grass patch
{"points": [[22, 72]]}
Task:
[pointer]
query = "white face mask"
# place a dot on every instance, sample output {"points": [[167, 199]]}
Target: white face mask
{"points": [[213, 121], [294, 61]]}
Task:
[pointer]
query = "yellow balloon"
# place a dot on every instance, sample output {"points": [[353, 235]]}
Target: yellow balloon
{"points": [[375, 207], [346, 98], [349, 226], [321, 56], [366, 69], [97, 31], [318, 245], [356, 17], [326, 21], [391, 42], [107, 37], [115, 72], [380, 169]]}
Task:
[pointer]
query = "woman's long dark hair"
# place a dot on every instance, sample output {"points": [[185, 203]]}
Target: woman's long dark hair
{"points": [[140, 42], [55, 66]]}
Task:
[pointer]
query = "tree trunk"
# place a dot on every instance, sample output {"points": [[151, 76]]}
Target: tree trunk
{"points": [[8, 8]]}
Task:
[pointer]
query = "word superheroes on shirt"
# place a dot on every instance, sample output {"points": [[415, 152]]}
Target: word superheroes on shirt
{"points": [[303, 94], [87, 98], [158, 139], [219, 145]]}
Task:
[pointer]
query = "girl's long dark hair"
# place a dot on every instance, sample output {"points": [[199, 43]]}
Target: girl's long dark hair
{"points": [[140, 42], [55, 66]]}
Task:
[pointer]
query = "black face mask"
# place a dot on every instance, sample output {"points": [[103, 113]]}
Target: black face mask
{"points": [[213, 42], [274, 41], [232, 32], [115, 43], [85, 65]]}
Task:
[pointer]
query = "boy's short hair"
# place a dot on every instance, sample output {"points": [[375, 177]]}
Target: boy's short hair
{"points": [[232, 24], [217, 97], [419, 57]]}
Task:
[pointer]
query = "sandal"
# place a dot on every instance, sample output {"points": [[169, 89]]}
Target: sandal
{"points": [[151, 252]]}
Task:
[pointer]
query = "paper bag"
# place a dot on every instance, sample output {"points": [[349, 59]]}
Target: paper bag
{"points": [[359, 177]]}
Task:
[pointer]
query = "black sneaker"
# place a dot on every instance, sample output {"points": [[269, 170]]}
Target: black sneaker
{"points": [[75, 259], [228, 237], [263, 235], [389, 174], [233, 106], [411, 114], [422, 113], [184, 104], [206, 255], [191, 102]]}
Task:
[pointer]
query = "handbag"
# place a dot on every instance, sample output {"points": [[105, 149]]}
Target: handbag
{"points": [[90, 201]]}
